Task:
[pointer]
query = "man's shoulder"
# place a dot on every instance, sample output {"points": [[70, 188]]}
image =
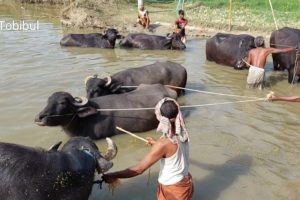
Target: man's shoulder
{"points": [[164, 141]]}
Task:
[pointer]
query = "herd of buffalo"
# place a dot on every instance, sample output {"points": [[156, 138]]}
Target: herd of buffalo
{"points": [[68, 173]]}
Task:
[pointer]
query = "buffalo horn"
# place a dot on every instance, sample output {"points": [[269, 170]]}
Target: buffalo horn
{"points": [[80, 101], [55, 146], [108, 81], [112, 150], [89, 77]]}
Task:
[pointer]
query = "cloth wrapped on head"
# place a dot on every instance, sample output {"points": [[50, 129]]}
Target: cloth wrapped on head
{"points": [[164, 126]]}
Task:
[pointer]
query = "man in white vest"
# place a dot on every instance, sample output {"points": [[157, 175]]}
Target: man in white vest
{"points": [[171, 150]]}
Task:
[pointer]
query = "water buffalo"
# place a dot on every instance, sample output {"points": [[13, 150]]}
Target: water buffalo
{"points": [[230, 49], [36, 174], [166, 73], [144, 41], [98, 40], [81, 117], [282, 38]]}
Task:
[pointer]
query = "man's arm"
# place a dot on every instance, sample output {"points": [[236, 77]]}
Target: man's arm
{"points": [[248, 61], [157, 152], [290, 99], [274, 50]]}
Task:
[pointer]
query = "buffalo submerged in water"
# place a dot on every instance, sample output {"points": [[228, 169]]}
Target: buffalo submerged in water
{"points": [[230, 49], [165, 73], [67, 174], [106, 40], [283, 38], [145, 41], [82, 117]]}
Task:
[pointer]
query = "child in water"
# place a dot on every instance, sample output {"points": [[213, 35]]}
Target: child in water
{"points": [[180, 24]]}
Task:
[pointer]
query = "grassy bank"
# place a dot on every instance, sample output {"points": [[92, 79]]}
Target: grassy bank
{"points": [[203, 15], [246, 15]]}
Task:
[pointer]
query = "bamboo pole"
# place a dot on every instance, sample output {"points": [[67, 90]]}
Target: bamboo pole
{"points": [[273, 14], [230, 14], [132, 134]]}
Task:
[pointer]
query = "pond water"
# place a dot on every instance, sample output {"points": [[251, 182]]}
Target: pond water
{"points": [[238, 151]]}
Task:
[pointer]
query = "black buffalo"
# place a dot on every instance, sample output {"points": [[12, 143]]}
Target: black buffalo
{"points": [[36, 174], [230, 49], [145, 41], [85, 119], [165, 73], [98, 40], [283, 38]]}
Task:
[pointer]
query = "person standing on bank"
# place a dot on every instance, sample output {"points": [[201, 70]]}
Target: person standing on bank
{"points": [[171, 149], [257, 59], [143, 15]]}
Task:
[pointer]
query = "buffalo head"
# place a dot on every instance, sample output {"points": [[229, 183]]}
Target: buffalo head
{"points": [[77, 145], [112, 34], [96, 87], [176, 42], [62, 108]]}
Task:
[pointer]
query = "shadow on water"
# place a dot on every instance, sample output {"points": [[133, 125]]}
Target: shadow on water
{"points": [[221, 177], [273, 80], [209, 188]]}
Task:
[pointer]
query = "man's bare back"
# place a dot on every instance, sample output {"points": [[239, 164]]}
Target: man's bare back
{"points": [[258, 56]]}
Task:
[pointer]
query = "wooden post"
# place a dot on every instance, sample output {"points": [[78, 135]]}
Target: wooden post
{"points": [[230, 14], [273, 14]]}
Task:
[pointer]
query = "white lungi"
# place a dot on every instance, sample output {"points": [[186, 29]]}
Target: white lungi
{"points": [[256, 77]]}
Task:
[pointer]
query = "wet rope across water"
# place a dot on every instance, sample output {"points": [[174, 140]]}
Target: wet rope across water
{"points": [[200, 91], [187, 106], [250, 99]]}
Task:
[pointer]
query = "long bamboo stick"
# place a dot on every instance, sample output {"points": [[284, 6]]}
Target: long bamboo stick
{"points": [[230, 14], [273, 14], [131, 134]]}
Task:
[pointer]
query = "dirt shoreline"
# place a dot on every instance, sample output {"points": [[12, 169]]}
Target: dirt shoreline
{"points": [[123, 17], [99, 15]]}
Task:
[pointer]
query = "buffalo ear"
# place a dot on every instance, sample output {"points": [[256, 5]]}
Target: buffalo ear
{"points": [[86, 111], [55, 146], [120, 37], [105, 36], [114, 87]]}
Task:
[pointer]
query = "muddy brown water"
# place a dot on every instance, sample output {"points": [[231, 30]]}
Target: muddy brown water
{"points": [[238, 151]]}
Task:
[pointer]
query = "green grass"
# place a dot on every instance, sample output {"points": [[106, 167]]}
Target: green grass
{"points": [[247, 15], [278, 5]]}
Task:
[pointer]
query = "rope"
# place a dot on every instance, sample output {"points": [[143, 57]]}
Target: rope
{"points": [[282, 45], [188, 106], [296, 66], [256, 99], [200, 91]]}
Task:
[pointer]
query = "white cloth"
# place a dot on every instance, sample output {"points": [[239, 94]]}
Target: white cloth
{"points": [[256, 77], [174, 168], [140, 3], [142, 13], [164, 125]]}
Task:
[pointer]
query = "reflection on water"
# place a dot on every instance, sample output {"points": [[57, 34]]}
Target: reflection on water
{"points": [[238, 151]]}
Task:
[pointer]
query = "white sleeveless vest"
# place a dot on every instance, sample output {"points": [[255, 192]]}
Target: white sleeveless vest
{"points": [[174, 168]]}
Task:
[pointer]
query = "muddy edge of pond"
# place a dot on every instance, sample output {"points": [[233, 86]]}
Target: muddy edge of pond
{"points": [[102, 14]]}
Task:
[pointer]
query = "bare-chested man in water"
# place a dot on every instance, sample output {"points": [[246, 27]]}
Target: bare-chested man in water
{"points": [[256, 60]]}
